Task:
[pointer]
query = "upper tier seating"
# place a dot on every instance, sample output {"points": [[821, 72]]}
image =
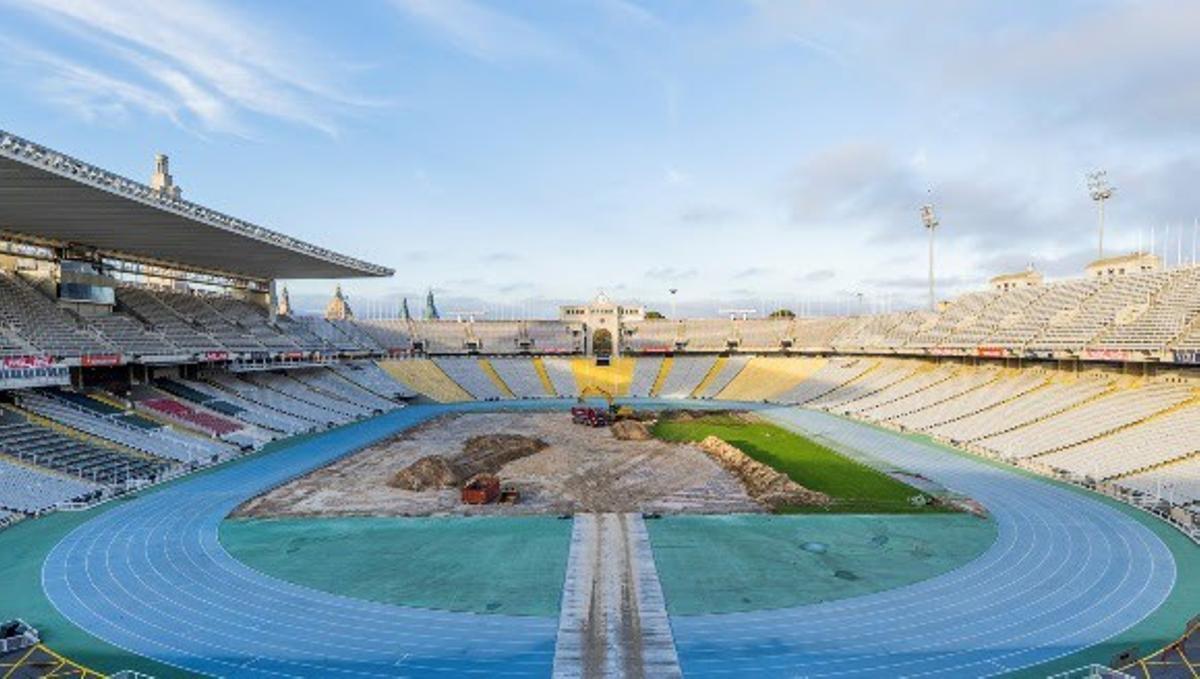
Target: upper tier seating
{"points": [[1120, 295], [496, 337], [1175, 307], [961, 313], [42, 325], [764, 335], [551, 337], [298, 391], [707, 334], [653, 336], [441, 337], [393, 336], [1059, 301], [182, 332], [132, 338]]}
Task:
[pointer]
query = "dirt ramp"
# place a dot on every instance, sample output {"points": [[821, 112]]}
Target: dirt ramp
{"points": [[630, 430], [767, 486], [484, 454]]}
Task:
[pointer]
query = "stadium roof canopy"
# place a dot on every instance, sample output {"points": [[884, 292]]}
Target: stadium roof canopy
{"points": [[53, 198]]}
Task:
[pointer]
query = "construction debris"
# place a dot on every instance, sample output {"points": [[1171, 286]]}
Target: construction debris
{"points": [[772, 489]]}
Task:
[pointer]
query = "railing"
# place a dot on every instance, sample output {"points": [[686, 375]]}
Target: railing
{"points": [[1093, 671]]}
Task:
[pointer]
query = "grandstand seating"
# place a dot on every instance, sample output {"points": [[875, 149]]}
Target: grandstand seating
{"points": [[108, 423], [551, 337], [686, 373], [726, 371], [520, 376], [42, 325], [180, 331], [973, 400], [1086, 421], [940, 387], [25, 440], [267, 391], [496, 337], [393, 336], [297, 391], [652, 336], [441, 337], [708, 335], [879, 377], [1178, 482], [370, 376], [765, 377], [245, 410], [468, 374], [425, 377], [835, 373], [328, 382], [645, 371], [561, 376], [1159, 440], [28, 490], [1033, 405]]}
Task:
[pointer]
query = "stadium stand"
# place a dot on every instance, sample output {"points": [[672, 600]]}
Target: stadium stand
{"points": [[521, 376], [1177, 482], [97, 419], [1036, 404], [551, 337], [297, 391], [708, 335], [765, 377], [645, 371], [723, 373], [425, 377], [470, 375], [323, 380], [834, 374], [496, 337], [685, 375], [1158, 440], [657, 336], [43, 325], [1087, 421], [879, 377], [371, 377], [394, 336], [45, 446], [25, 489], [278, 401], [561, 376], [1005, 386]]}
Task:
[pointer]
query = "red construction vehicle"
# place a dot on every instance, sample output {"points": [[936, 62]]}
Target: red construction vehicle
{"points": [[592, 417], [481, 489]]}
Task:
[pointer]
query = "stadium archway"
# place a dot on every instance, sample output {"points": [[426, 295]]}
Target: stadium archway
{"points": [[602, 342]]}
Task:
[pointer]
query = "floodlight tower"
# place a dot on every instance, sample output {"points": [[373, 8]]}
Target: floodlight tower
{"points": [[673, 291], [1100, 191], [930, 220]]}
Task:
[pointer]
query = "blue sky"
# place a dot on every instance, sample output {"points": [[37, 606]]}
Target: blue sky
{"points": [[513, 155]]}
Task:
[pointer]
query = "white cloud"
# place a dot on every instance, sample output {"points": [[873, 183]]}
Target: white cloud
{"points": [[482, 32], [212, 61]]}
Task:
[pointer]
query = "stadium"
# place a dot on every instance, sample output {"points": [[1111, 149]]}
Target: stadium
{"points": [[599, 339], [195, 480]]}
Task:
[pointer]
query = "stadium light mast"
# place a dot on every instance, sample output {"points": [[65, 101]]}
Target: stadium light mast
{"points": [[1100, 191], [673, 291], [930, 220]]}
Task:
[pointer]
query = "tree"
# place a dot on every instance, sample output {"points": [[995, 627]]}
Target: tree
{"points": [[654, 316], [782, 313]]}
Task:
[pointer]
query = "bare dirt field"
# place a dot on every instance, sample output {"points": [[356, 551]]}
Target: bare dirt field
{"points": [[579, 469]]}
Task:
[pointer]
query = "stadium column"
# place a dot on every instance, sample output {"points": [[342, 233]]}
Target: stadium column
{"points": [[273, 301]]}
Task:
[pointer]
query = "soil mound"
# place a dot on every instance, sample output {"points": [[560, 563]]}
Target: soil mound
{"points": [[630, 430], [484, 454], [767, 486], [427, 473]]}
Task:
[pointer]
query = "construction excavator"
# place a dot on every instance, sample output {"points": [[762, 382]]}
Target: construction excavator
{"points": [[597, 417]]}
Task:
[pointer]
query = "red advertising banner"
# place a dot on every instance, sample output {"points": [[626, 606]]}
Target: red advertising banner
{"points": [[990, 352], [1106, 354], [26, 362], [216, 355], [100, 360]]}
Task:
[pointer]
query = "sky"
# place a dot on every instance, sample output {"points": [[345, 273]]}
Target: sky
{"points": [[747, 153]]}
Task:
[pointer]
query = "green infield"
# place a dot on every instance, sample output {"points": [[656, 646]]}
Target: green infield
{"points": [[854, 487], [510, 565]]}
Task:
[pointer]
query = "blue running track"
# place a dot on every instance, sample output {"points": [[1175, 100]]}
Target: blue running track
{"points": [[150, 576]]}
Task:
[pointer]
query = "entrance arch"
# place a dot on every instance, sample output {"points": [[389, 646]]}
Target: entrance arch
{"points": [[602, 342]]}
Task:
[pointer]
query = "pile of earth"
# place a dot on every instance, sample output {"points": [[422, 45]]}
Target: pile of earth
{"points": [[630, 430], [484, 454], [768, 487]]}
